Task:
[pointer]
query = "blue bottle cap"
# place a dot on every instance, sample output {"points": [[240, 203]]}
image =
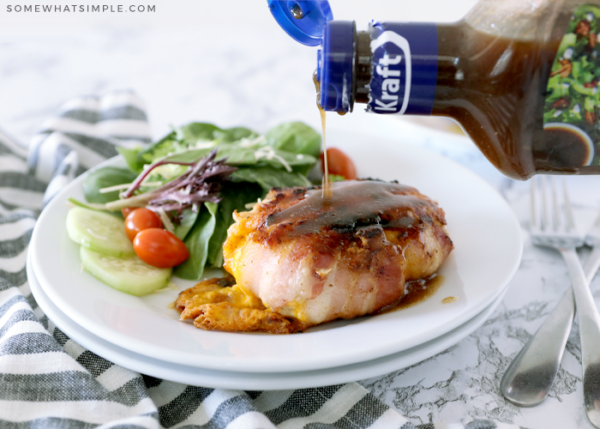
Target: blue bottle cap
{"points": [[303, 20]]}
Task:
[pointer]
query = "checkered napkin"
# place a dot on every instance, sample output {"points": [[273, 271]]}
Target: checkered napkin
{"points": [[49, 381]]}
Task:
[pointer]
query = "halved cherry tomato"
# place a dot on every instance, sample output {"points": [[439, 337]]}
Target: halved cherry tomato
{"points": [[125, 212], [339, 163], [160, 248], [139, 220]]}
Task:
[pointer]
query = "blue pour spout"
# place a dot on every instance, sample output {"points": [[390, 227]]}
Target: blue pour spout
{"points": [[311, 23], [304, 21]]}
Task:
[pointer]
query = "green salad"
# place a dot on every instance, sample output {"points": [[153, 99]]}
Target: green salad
{"points": [[572, 94], [198, 175]]}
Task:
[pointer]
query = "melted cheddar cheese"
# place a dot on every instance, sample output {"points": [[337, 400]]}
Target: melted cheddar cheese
{"points": [[228, 308]]}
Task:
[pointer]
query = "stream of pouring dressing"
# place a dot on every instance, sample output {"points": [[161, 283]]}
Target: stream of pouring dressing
{"points": [[326, 185]]}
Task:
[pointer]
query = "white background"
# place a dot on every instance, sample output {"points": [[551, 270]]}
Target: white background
{"points": [[226, 62]]}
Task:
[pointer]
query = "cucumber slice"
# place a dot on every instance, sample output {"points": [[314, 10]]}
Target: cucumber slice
{"points": [[130, 275], [98, 231]]}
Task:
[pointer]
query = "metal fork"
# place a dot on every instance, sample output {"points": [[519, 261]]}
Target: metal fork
{"points": [[558, 231], [529, 377]]}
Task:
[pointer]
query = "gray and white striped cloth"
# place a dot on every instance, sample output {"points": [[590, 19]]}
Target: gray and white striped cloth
{"points": [[49, 381]]}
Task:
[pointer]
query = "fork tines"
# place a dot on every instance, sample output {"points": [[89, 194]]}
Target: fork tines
{"points": [[540, 206]]}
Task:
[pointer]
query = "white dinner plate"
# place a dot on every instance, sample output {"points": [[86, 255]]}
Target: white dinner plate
{"points": [[488, 247], [251, 380]]}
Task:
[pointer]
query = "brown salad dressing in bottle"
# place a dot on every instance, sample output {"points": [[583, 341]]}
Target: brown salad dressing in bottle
{"points": [[520, 76]]}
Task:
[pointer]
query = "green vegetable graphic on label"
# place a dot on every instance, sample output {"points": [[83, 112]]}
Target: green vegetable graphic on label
{"points": [[572, 108]]}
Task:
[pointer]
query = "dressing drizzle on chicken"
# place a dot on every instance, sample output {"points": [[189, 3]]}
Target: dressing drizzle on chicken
{"points": [[300, 260]]}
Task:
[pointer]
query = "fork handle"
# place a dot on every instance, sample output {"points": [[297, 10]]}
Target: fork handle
{"points": [[589, 335], [529, 377]]}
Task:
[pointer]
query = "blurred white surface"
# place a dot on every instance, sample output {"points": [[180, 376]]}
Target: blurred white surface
{"points": [[222, 61], [238, 14]]}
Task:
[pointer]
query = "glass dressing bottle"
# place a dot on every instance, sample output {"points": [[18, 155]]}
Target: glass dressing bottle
{"points": [[520, 76]]}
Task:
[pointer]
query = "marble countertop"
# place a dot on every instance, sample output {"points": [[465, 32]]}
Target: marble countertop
{"points": [[256, 76]]}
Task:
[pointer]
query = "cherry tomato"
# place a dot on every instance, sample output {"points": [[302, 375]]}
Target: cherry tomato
{"points": [[139, 220], [125, 212], [160, 248], [339, 163]]}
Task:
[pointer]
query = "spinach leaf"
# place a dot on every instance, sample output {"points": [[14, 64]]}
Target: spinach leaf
{"points": [[268, 177], [163, 147], [131, 158], [239, 156], [201, 131], [185, 225], [103, 178], [295, 137], [194, 132], [235, 197], [184, 138], [235, 134], [177, 141], [293, 144], [197, 244]]}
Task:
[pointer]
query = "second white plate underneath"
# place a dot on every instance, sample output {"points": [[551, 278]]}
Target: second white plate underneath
{"points": [[244, 380]]}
